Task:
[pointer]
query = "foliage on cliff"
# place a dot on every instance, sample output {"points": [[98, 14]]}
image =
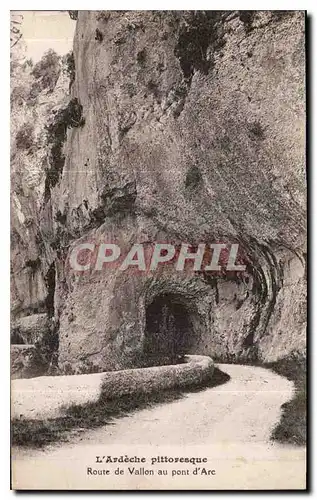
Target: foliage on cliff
{"points": [[38, 92]]}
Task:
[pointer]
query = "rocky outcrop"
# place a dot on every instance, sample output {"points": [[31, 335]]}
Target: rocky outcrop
{"points": [[55, 395], [31, 329], [182, 127], [194, 132]]}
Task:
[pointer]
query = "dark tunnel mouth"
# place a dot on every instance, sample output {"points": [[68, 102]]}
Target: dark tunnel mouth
{"points": [[169, 330]]}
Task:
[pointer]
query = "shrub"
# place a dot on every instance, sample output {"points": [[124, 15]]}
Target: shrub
{"points": [[28, 63], [38, 433], [45, 356], [19, 95], [16, 337], [202, 30], [69, 62]]}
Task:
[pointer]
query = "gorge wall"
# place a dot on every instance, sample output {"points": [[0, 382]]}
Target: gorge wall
{"points": [[39, 93], [184, 127]]}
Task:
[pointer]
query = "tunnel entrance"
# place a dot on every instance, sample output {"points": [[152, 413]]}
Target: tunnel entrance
{"points": [[169, 329]]}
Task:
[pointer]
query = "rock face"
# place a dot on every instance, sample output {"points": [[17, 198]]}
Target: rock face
{"points": [[184, 127]]}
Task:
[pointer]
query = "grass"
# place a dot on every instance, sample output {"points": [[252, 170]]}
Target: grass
{"points": [[38, 433], [292, 426]]}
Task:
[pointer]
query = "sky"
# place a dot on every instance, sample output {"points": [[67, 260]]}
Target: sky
{"points": [[43, 30]]}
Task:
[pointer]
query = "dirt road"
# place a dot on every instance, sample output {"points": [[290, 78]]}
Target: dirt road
{"points": [[230, 425]]}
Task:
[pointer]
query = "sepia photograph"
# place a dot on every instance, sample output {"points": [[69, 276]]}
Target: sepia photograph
{"points": [[158, 265]]}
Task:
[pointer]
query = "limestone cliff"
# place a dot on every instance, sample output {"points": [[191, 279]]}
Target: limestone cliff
{"points": [[38, 93]]}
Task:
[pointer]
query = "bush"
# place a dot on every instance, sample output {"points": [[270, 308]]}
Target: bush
{"points": [[45, 355], [69, 62], [292, 426], [38, 433], [65, 118], [16, 337], [19, 95], [28, 63], [73, 14], [46, 73]]}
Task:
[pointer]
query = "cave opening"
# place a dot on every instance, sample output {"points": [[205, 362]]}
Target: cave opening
{"points": [[169, 329]]}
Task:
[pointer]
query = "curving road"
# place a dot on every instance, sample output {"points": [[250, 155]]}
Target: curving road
{"points": [[230, 425]]}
